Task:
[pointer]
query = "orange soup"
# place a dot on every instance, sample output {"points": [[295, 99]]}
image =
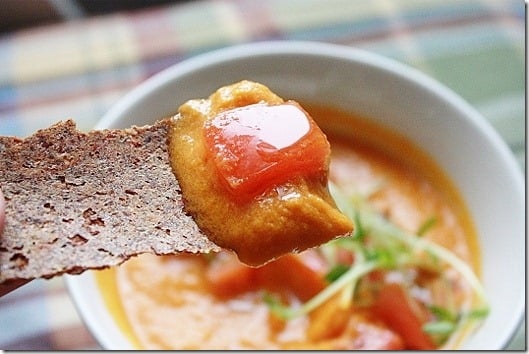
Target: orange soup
{"points": [[366, 291]]}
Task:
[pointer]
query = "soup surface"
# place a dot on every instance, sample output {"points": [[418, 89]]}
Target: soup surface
{"points": [[214, 302]]}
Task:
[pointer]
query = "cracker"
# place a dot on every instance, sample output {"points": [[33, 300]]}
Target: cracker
{"points": [[78, 201]]}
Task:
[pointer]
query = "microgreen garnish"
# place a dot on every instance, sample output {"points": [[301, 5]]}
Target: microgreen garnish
{"points": [[439, 327], [337, 271], [359, 232], [442, 314], [478, 313], [426, 226], [378, 244]]}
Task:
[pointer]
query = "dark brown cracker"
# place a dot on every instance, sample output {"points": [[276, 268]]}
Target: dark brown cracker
{"points": [[76, 201]]}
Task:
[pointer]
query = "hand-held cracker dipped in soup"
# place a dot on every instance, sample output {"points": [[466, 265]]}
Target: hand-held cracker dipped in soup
{"points": [[253, 171], [405, 278]]}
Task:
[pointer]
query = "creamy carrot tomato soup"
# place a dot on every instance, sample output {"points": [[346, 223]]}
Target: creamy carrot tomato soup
{"points": [[404, 279]]}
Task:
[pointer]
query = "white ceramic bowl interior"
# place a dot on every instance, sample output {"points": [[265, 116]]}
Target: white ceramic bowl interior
{"points": [[433, 117]]}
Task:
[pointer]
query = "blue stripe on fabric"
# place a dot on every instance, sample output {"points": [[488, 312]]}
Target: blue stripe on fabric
{"points": [[339, 30], [412, 17], [60, 88], [11, 126], [8, 93], [8, 97], [14, 316]]}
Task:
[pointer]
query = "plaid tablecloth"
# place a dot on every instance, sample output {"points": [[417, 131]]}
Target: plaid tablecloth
{"points": [[79, 69]]}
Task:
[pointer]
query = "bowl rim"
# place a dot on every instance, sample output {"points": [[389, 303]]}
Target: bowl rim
{"points": [[315, 49]]}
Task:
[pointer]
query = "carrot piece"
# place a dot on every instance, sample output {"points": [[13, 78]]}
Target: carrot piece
{"points": [[328, 320], [395, 308], [228, 277], [360, 331], [290, 273]]}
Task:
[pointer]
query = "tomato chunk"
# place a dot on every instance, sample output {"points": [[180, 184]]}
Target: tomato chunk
{"points": [[394, 307], [259, 146]]}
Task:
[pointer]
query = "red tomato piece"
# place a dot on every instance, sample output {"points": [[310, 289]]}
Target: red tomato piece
{"points": [[394, 307], [259, 146]]}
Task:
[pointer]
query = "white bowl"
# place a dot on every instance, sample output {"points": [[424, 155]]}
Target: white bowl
{"points": [[433, 117]]}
